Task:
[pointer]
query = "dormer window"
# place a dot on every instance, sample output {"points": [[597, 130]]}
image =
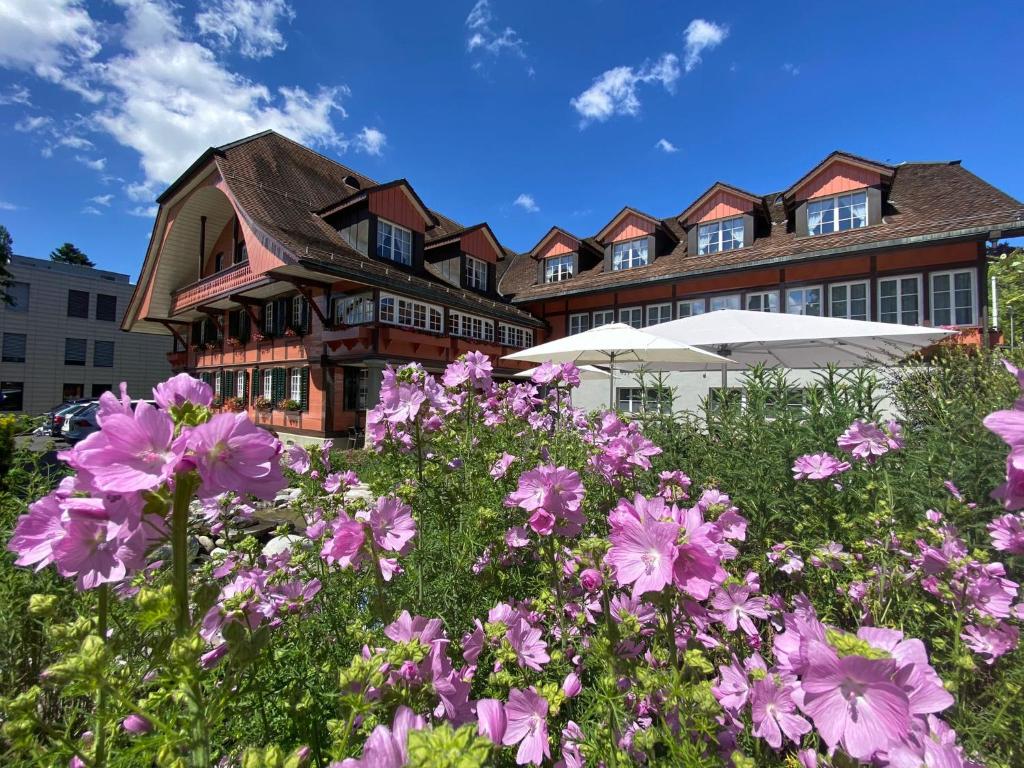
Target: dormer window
{"points": [[837, 214], [394, 243], [630, 254], [476, 274], [558, 268], [724, 235]]}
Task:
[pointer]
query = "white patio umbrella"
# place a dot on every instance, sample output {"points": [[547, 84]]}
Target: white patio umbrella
{"points": [[587, 373], [617, 343]]}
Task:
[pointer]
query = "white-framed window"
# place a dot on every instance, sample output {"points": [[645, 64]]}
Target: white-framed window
{"points": [[629, 254], [763, 301], [218, 384], [268, 317], [690, 307], [603, 317], [240, 384], [836, 214], [476, 274], [730, 301], [579, 323], [397, 310], [633, 316], [850, 300], [268, 384], [558, 268], [362, 388], [394, 242], [471, 327], [352, 310], [450, 271], [952, 297], [295, 384], [514, 336], [659, 313], [298, 302], [724, 235], [644, 400], [899, 299], [805, 300]]}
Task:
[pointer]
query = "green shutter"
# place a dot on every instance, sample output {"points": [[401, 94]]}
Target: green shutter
{"points": [[256, 390], [281, 316], [234, 318], [304, 389], [244, 394], [244, 325], [277, 384]]}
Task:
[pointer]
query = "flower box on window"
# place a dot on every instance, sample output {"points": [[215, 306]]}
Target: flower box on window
{"points": [[262, 404], [234, 341], [292, 406], [233, 404], [291, 333]]}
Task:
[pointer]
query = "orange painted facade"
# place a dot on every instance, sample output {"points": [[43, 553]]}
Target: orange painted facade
{"points": [[721, 205], [838, 177], [558, 245], [631, 226], [395, 205], [478, 245]]}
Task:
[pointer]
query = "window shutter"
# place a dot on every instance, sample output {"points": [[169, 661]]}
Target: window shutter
{"points": [[304, 389], [255, 384], [281, 317], [197, 332], [303, 328], [244, 325], [350, 384], [234, 319], [244, 394], [229, 383], [277, 384]]}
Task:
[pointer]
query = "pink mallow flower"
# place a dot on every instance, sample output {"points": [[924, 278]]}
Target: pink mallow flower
{"points": [[526, 713], [296, 458], [490, 718], [388, 747], [734, 607], [1007, 534], [1009, 425], [774, 713], [233, 454], [500, 467], [643, 549], [531, 650], [818, 466], [991, 642], [181, 390], [868, 442], [392, 524], [553, 495]]}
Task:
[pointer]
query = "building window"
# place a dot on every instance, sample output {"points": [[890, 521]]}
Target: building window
{"points": [[398, 311], [952, 299], [298, 311], [296, 385], [18, 294], [99, 389], [394, 242], [715, 236], [629, 254], [579, 323], [476, 274], [764, 301], [103, 354], [268, 318], [78, 303], [690, 307], [732, 301], [633, 316], [218, 384], [514, 336], [849, 300], [804, 301], [899, 300], [659, 313], [558, 268], [603, 317], [268, 384], [74, 351], [106, 307], [471, 326], [241, 253], [362, 388], [644, 400], [240, 384], [353, 310], [836, 214], [14, 348], [218, 262], [72, 391], [12, 394]]}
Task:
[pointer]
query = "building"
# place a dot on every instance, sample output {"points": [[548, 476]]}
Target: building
{"points": [[850, 238], [61, 337], [289, 281], [285, 276]]}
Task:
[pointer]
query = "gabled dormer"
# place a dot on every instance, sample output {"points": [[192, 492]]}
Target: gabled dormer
{"points": [[724, 218], [466, 258], [631, 239], [560, 255], [842, 192]]}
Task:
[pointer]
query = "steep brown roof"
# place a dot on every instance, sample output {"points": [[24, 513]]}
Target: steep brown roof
{"points": [[281, 185], [925, 199]]}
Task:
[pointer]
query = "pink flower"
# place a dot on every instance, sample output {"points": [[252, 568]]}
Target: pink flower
{"points": [[531, 650], [991, 642], [1009, 425], [500, 467], [37, 532], [296, 458], [340, 481], [407, 627], [526, 712], [552, 494], [479, 368], [697, 568], [1007, 534], [643, 549], [866, 441], [233, 454], [344, 546], [774, 713], [136, 724], [181, 390], [491, 721], [392, 524], [733, 687], [99, 552], [388, 747], [672, 486], [818, 466], [572, 686], [734, 607], [591, 579]]}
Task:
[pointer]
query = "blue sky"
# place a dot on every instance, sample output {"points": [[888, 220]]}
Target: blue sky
{"points": [[573, 109]]}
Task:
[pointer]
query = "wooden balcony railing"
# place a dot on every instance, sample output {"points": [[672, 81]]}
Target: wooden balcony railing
{"points": [[203, 290]]}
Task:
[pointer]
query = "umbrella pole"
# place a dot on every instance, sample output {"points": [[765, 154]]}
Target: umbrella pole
{"points": [[725, 380], [611, 382]]}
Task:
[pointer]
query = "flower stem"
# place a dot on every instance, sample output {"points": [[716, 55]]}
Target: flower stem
{"points": [[101, 699], [183, 485]]}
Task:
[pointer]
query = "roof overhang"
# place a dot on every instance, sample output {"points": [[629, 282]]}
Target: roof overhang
{"points": [[718, 186], [885, 171]]}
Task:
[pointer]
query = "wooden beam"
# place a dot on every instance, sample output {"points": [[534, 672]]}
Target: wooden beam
{"points": [[202, 244], [169, 325], [217, 315], [308, 296]]}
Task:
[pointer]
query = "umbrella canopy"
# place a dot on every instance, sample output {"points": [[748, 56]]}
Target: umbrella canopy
{"points": [[587, 373]]}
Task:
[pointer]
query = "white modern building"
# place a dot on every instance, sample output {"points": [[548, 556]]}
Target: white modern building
{"points": [[61, 337]]}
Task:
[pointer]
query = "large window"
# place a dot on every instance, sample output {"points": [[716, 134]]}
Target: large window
{"points": [[724, 235], [558, 268], [399, 311], [629, 254], [78, 303], [471, 326], [732, 301], [295, 385], [764, 301], [268, 384], [394, 242], [644, 399], [603, 317], [12, 394], [836, 214], [14, 348], [74, 351], [103, 354], [514, 336], [579, 323], [804, 301], [240, 384], [953, 297], [659, 313], [268, 318], [899, 300], [633, 316], [362, 388], [449, 269], [18, 294], [353, 310], [106, 307], [690, 307], [849, 300], [298, 312], [218, 384], [476, 274]]}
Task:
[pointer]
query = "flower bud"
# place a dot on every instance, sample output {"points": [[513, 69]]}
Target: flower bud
{"points": [[591, 580], [42, 605], [136, 724], [572, 685]]}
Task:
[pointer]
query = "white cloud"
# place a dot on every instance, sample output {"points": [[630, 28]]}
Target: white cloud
{"points": [[700, 36], [792, 69], [101, 199], [666, 146], [482, 36], [5, 206], [614, 91], [75, 142], [527, 203], [251, 25], [97, 164], [31, 124], [141, 192], [16, 94], [92, 210], [371, 141], [145, 211]]}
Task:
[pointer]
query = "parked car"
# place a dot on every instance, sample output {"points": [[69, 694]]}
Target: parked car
{"points": [[83, 423], [61, 414]]}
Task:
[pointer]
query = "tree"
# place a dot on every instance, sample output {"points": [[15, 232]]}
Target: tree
{"points": [[69, 254], [6, 252], [1006, 264]]}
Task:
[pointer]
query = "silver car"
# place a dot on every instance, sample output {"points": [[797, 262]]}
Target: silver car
{"points": [[84, 422]]}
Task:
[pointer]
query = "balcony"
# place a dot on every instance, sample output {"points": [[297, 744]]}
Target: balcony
{"points": [[177, 360], [212, 287]]}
